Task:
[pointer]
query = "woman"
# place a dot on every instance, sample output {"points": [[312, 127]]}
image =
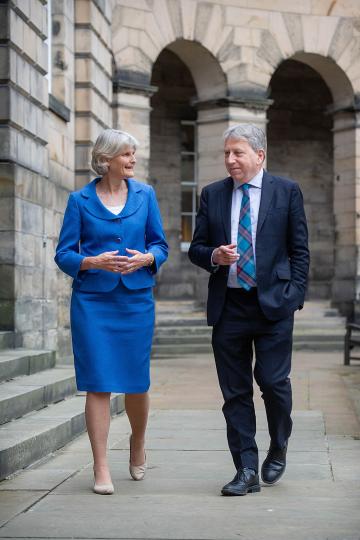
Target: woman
{"points": [[111, 244]]}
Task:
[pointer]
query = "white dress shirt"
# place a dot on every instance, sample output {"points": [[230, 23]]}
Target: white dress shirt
{"points": [[255, 196]]}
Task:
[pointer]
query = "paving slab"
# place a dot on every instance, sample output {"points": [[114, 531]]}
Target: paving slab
{"points": [[44, 480], [318, 497], [209, 517], [186, 483], [13, 503]]}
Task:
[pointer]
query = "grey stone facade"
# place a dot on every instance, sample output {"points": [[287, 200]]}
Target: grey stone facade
{"points": [[292, 67]]}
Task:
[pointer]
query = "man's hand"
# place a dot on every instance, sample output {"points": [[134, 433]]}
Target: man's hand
{"points": [[225, 255]]}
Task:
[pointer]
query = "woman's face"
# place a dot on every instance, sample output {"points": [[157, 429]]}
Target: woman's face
{"points": [[122, 165]]}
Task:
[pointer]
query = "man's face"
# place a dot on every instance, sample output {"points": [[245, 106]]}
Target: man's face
{"points": [[241, 161]]}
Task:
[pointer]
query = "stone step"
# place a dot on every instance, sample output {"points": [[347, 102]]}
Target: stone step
{"points": [[315, 343], [28, 439], [178, 322], [7, 340], [318, 345], [33, 392], [299, 327], [178, 339], [183, 330], [184, 349], [178, 306], [192, 339], [17, 362]]}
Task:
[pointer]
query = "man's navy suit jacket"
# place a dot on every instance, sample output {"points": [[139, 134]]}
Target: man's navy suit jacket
{"points": [[282, 254]]}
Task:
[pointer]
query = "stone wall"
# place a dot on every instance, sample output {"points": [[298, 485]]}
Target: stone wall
{"points": [[61, 157], [93, 80], [24, 172]]}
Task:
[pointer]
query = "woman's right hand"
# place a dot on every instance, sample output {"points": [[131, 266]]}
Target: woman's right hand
{"points": [[109, 260]]}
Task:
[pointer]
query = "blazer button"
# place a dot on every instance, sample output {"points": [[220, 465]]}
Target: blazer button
{"points": [[119, 239]]}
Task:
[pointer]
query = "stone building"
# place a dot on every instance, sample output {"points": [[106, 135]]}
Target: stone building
{"points": [[174, 73]]}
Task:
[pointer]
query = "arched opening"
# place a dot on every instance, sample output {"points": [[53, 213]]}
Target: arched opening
{"points": [[313, 138], [184, 74], [300, 146]]}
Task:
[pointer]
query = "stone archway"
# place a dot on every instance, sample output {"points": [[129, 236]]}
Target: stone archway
{"points": [[184, 75], [312, 138], [300, 147]]}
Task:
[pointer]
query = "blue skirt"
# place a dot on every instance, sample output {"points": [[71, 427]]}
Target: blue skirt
{"points": [[112, 335]]}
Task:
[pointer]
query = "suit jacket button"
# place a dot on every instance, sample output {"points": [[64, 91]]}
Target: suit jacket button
{"points": [[119, 239]]}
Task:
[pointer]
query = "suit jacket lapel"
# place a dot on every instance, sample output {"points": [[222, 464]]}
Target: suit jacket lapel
{"points": [[225, 204], [267, 191], [96, 207]]}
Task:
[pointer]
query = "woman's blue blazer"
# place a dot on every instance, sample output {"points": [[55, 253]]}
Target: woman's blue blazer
{"points": [[90, 229]]}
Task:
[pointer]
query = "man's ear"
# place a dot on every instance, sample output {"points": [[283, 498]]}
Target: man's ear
{"points": [[261, 157]]}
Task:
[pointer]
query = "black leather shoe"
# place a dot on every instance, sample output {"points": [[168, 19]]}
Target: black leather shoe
{"points": [[245, 481], [274, 465]]}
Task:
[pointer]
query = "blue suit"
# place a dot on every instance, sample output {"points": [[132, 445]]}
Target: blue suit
{"points": [[112, 315], [90, 229], [260, 319]]}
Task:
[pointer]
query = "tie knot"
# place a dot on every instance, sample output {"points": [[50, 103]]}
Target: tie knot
{"points": [[245, 188]]}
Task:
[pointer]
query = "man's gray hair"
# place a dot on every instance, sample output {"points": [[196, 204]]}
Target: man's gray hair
{"points": [[254, 135], [110, 143]]}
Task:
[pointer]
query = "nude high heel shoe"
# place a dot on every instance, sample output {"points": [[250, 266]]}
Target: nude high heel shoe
{"points": [[103, 489], [137, 472]]}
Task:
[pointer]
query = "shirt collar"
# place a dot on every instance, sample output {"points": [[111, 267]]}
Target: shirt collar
{"points": [[256, 181]]}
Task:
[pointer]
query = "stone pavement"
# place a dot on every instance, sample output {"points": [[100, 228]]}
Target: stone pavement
{"points": [[318, 498]]}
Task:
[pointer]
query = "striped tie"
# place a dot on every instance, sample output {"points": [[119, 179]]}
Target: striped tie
{"points": [[246, 274]]}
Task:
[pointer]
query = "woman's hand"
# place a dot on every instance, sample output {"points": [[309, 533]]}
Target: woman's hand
{"points": [[109, 260], [138, 260]]}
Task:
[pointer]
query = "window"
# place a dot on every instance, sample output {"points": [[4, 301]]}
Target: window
{"points": [[188, 176]]}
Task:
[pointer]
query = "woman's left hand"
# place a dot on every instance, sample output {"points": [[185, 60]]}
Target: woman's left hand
{"points": [[138, 260]]}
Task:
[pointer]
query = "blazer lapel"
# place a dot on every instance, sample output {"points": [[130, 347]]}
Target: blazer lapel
{"points": [[267, 191], [225, 204], [134, 200], [96, 207]]}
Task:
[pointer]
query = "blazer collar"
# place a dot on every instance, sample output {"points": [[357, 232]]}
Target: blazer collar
{"points": [[267, 191], [94, 205]]}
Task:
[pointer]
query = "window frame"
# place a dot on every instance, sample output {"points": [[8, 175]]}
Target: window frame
{"points": [[184, 246]]}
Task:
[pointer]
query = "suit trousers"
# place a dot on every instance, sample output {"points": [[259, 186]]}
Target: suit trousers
{"points": [[242, 330]]}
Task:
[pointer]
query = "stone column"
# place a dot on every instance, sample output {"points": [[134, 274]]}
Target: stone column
{"points": [[346, 283], [131, 113], [61, 169], [93, 80], [214, 117], [23, 169]]}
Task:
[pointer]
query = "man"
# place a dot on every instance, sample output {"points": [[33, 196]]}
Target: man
{"points": [[251, 235]]}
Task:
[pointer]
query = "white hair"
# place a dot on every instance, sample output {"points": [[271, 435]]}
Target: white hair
{"points": [[250, 133], [110, 143]]}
